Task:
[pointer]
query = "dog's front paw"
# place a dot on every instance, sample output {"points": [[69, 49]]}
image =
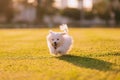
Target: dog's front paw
{"points": [[54, 53], [61, 52], [58, 50]]}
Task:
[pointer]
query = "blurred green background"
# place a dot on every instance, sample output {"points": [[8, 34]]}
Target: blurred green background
{"points": [[36, 13]]}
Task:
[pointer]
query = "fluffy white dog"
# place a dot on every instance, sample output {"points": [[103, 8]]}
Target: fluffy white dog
{"points": [[59, 42]]}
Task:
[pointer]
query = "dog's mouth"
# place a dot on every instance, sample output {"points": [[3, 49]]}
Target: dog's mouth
{"points": [[55, 45]]}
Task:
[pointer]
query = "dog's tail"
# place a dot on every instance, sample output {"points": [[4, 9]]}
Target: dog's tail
{"points": [[64, 28]]}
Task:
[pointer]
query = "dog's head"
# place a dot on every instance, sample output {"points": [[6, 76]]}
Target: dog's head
{"points": [[56, 39]]}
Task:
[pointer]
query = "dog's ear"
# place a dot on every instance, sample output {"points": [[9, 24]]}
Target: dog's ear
{"points": [[63, 33]]}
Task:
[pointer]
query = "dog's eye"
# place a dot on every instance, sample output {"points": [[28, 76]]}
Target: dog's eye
{"points": [[52, 39], [57, 39]]}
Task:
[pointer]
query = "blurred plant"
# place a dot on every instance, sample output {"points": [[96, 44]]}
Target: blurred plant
{"points": [[117, 16], [45, 7], [89, 15], [71, 13], [6, 9], [115, 8], [102, 10]]}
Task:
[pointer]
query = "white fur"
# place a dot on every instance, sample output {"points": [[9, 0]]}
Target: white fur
{"points": [[59, 42]]}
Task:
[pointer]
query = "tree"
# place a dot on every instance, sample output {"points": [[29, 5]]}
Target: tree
{"points": [[115, 8], [117, 16], [6, 9], [44, 7], [102, 10]]}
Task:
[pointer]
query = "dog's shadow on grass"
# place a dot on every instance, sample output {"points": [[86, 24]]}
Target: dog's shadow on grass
{"points": [[87, 62]]}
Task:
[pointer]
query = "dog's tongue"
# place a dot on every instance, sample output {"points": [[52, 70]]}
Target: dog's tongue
{"points": [[55, 46]]}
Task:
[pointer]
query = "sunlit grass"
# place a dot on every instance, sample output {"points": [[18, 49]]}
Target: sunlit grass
{"points": [[95, 55]]}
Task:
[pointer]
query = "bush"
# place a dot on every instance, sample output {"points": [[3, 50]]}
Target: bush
{"points": [[71, 13], [117, 16], [89, 15]]}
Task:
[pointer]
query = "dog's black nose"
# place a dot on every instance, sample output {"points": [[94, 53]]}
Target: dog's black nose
{"points": [[55, 43]]}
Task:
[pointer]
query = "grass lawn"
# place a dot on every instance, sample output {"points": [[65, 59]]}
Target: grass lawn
{"points": [[95, 55]]}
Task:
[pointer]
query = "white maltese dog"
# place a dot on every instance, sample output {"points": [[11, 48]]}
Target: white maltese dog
{"points": [[59, 42]]}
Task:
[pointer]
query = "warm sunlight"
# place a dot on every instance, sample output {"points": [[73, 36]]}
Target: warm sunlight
{"points": [[57, 3], [72, 3], [31, 1], [88, 4], [66, 3]]}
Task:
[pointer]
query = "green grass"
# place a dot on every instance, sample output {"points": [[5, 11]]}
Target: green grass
{"points": [[95, 55]]}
